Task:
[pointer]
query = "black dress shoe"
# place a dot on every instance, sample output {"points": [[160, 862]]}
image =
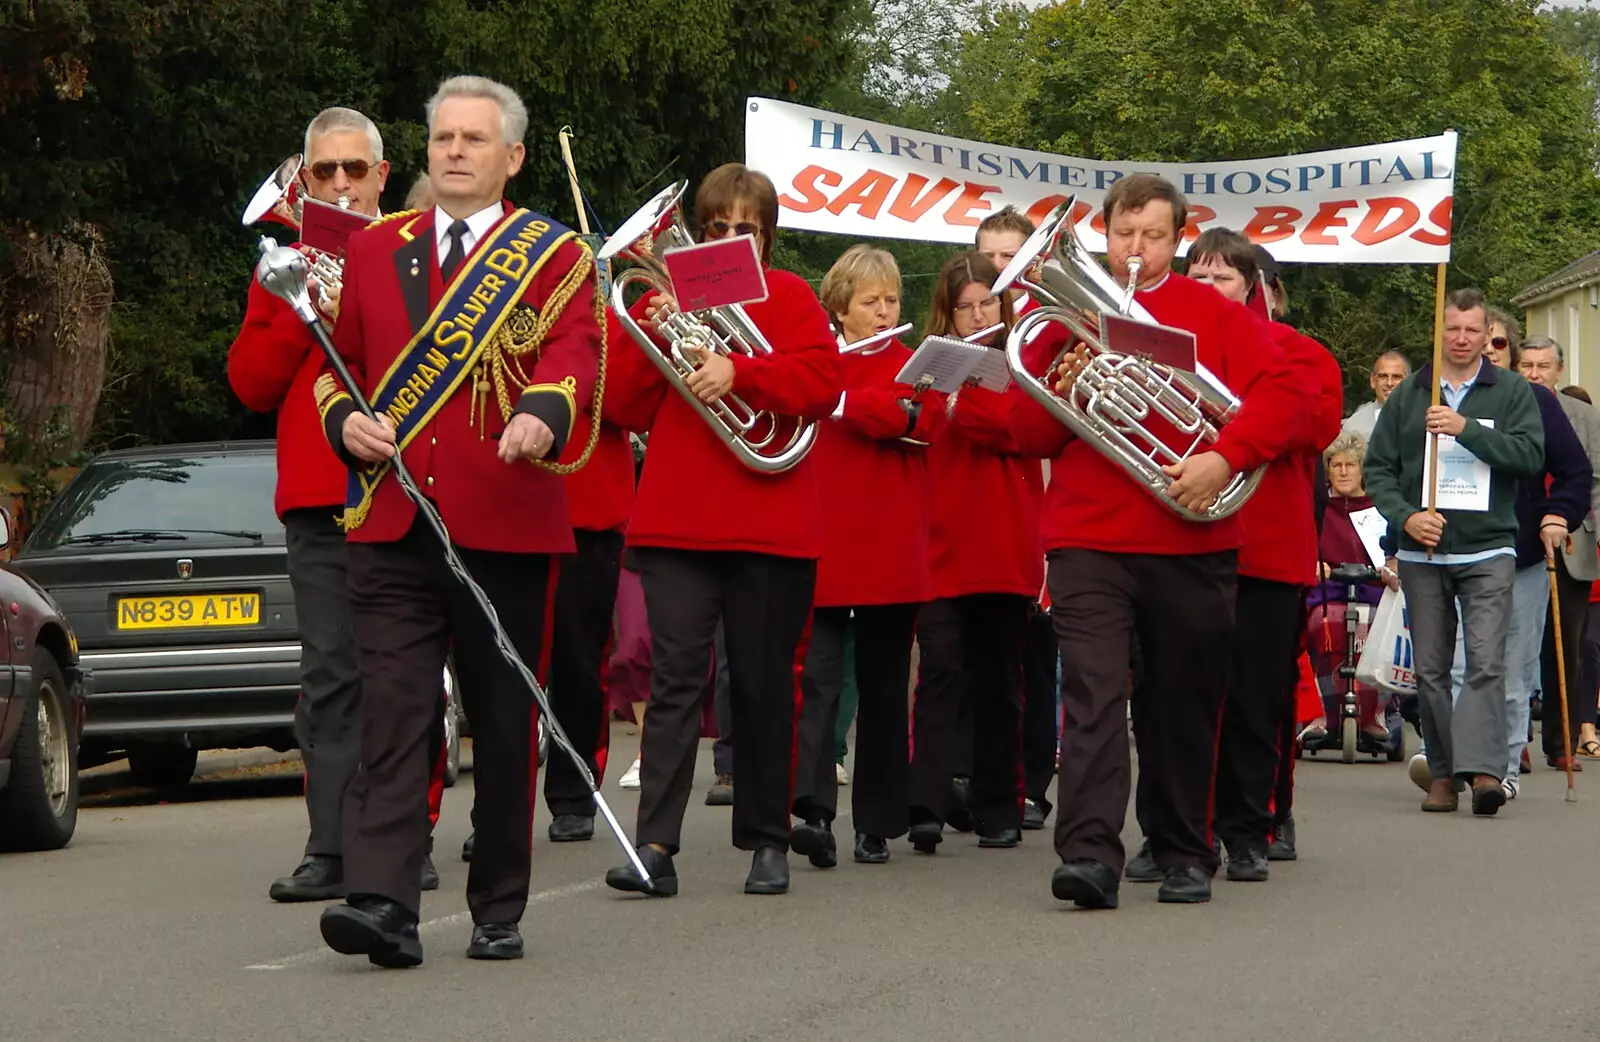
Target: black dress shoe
{"points": [[320, 877], [1033, 814], [430, 875], [1002, 838], [926, 836], [380, 929], [814, 840], [871, 850], [571, 828], [1086, 883], [1185, 885], [1247, 865], [769, 872], [663, 876], [1282, 846], [495, 941], [1142, 868], [466, 848]]}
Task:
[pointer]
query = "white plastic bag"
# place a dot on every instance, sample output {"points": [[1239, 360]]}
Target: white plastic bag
{"points": [[1386, 662]]}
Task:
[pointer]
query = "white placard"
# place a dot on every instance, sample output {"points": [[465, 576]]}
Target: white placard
{"points": [[1465, 481], [1370, 526]]}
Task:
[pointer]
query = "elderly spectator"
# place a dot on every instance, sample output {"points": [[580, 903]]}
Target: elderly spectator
{"points": [[1455, 554], [1340, 543], [1543, 362], [1388, 371]]}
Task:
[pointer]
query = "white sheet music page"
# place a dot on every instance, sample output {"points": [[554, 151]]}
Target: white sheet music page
{"points": [[991, 372], [942, 363]]}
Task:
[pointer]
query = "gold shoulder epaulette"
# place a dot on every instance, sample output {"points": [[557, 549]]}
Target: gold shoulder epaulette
{"points": [[393, 216]]}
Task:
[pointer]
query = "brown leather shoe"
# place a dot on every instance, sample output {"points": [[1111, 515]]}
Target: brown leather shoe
{"points": [[1441, 796], [1559, 763], [1488, 795]]}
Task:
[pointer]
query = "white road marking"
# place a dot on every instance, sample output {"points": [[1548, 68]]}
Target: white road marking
{"points": [[459, 918]]}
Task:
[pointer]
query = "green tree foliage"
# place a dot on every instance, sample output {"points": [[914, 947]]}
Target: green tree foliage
{"points": [[1153, 80], [154, 121]]}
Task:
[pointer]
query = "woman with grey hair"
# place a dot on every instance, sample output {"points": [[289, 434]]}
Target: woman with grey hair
{"points": [[1340, 543]]}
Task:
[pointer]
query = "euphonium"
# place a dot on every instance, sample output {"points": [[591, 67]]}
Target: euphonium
{"points": [[760, 440], [1114, 399], [278, 199]]}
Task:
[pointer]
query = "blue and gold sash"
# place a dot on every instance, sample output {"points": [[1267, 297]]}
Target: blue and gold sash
{"points": [[454, 338]]}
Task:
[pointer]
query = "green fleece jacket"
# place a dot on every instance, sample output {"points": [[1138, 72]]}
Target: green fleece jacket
{"points": [[1513, 448]]}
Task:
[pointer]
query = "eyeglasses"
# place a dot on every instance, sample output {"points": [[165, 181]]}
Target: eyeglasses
{"points": [[1499, 343], [720, 229], [972, 309], [356, 168]]}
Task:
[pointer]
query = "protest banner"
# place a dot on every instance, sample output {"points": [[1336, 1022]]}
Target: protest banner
{"points": [[1371, 204]]}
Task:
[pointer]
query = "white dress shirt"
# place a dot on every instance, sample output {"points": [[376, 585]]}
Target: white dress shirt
{"points": [[478, 226]]}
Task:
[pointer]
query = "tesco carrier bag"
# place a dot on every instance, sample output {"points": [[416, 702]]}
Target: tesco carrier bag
{"points": [[1386, 662]]}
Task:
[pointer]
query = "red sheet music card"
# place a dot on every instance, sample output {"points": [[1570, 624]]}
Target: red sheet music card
{"points": [[1163, 345], [328, 228], [716, 273]]}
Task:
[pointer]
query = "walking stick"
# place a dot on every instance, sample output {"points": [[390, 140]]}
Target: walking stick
{"points": [[1561, 673], [282, 272]]}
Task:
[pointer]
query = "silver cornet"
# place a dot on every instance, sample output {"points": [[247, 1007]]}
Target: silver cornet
{"points": [[762, 441], [1116, 396], [278, 199]]}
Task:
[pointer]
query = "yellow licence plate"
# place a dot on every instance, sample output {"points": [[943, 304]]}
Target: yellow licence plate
{"points": [[207, 609]]}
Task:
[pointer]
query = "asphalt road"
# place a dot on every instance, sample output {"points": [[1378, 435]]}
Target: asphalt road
{"points": [[155, 924]]}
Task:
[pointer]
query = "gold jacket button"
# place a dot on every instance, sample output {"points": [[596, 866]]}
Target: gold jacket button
{"points": [[430, 479], [433, 441]]}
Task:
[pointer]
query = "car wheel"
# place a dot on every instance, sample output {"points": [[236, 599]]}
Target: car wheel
{"points": [[452, 729], [39, 808], [162, 766]]}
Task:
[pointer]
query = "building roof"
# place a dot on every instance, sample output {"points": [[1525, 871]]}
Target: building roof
{"points": [[1583, 269]]}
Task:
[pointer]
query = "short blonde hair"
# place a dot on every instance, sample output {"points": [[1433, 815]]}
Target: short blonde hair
{"points": [[421, 195], [1348, 443], [860, 265]]}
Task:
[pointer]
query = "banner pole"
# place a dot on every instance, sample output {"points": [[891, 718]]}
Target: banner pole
{"points": [[572, 178], [1438, 361]]}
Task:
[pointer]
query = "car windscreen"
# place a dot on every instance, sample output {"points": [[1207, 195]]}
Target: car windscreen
{"points": [[200, 499]]}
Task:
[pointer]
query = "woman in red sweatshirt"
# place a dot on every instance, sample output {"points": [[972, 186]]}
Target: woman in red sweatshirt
{"points": [[872, 481], [1277, 561], [715, 539], [987, 568]]}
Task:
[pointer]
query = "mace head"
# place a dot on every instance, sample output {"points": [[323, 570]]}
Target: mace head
{"points": [[282, 271]]}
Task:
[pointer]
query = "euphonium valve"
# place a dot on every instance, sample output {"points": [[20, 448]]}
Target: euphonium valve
{"points": [[1138, 413], [762, 441]]}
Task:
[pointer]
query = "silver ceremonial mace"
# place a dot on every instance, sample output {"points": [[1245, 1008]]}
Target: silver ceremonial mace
{"points": [[282, 271]]}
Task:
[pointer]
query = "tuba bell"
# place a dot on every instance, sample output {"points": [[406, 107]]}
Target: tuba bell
{"points": [[1114, 400], [762, 441], [278, 200]]}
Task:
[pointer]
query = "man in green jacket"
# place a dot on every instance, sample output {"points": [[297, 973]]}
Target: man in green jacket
{"points": [[1490, 436]]}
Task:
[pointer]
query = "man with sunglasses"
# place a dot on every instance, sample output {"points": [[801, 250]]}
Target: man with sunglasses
{"points": [[272, 366]]}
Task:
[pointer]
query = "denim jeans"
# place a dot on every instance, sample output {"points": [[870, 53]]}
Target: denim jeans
{"points": [[1530, 604]]}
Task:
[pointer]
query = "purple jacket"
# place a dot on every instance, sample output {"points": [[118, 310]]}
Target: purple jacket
{"points": [[1570, 477]]}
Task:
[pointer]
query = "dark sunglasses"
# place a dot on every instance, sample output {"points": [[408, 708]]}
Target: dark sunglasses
{"points": [[356, 168], [1499, 343], [720, 229]]}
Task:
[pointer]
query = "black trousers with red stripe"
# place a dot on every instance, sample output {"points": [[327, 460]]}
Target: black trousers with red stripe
{"points": [[586, 597], [1260, 695], [409, 611], [1181, 608], [881, 792], [973, 644], [764, 602]]}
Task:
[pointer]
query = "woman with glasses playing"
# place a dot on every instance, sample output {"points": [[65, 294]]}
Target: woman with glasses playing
{"points": [[716, 540], [987, 568]]}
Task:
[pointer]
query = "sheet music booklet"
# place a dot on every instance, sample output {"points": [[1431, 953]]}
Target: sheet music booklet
{"points": [[944, 363]]}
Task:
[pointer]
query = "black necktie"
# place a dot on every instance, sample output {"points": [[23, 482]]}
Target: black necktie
{"points": [[457, 251]]}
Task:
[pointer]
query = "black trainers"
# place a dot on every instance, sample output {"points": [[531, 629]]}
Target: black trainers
{"points": [[320, 877], [1086, 883], [1142, 867], [1282, 846], [1185, 885], [1247, 866]]}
